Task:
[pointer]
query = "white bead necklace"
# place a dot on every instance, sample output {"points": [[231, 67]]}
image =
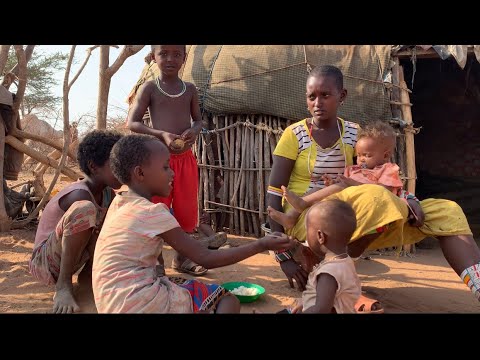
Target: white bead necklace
{"points": [[184, 88]]}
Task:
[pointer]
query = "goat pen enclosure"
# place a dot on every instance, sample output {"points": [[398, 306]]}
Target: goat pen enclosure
{"points": [[234, 159]]}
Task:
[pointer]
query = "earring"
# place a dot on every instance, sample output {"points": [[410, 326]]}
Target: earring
{"points": [[341, 103]]}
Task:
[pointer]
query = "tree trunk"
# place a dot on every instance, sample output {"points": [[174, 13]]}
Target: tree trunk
{"points": [[28, 56], [103, 87], [105, 77], [3, 56], [5, 221]]}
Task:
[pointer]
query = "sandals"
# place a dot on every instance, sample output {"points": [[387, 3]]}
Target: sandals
{"points": [[190, 267], [215, 241], [364, 305]]}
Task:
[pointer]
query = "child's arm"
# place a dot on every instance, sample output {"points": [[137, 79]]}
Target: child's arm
{"points": [[192, 249], [322, 194], [140, 106], [190, 135], [76, 195], [326, 290]]}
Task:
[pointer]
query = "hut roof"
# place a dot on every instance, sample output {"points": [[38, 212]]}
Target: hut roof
{"points": [[270, 79]]}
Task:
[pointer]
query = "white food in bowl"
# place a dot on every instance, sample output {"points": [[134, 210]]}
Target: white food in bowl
{"points": [[244, 291]]}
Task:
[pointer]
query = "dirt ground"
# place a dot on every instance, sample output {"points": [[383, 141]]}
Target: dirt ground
{"points": [[424, 283]]}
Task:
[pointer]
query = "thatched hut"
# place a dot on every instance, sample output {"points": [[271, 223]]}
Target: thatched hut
{"points": [[249, 94]]}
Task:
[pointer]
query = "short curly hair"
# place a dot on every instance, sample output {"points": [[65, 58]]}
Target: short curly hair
{"points": [[381, 132], [128, 152], [96, 147]]}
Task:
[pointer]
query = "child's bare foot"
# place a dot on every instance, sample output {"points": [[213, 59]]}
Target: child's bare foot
{"points": [[285, 220], [293, 199], [64, 303]]}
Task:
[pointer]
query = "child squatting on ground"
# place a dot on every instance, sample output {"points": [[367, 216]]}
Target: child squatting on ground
{"points": [[70, 223]]}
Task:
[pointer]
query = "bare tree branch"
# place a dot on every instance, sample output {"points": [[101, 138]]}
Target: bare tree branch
{"points": [[66, 143], [22, 77], [47, 141], [37, 155], [89, 53], [3, 56], [28, 56], [103, 87], [126, 52]]}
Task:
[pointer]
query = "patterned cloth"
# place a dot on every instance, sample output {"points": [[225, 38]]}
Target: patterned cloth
{"points": [[387, 174], [45, 262], [204, 297], [471, 278], [312, 161]]}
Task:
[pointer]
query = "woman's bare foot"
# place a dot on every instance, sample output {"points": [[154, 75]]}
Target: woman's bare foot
{"points": [[293, 199], [285, 220], [63, 302]]}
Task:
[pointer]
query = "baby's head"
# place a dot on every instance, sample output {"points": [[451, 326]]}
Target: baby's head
{"points": [[330, 226], [375, 144], [143, 163]]}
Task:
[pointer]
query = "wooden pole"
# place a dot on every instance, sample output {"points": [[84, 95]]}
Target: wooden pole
{"points": [[233, 149], [17, 144], [261, 179], [226, 175], [5, 221], [409, 143], [26, 135]]}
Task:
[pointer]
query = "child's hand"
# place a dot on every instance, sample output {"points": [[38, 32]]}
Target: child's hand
{"points": [[346, 182], [297, 306], [190, 135], [416, 216], [168, 138], [327, 180], [277, 241]]}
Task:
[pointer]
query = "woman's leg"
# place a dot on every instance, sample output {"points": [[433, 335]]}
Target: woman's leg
{"points": [[463, 255], [461, 251], [357, 248]]}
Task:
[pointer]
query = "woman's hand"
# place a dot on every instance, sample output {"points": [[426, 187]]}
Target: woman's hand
{"points": [[416, 216], [277, 241]]}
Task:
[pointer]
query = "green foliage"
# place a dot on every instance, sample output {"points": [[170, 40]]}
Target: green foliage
{"points": [[42, 70]]}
